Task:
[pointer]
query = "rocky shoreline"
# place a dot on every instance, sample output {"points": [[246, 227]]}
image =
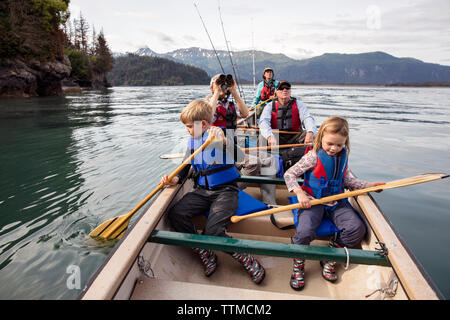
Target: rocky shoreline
{"points": [[29, 78], [21, 78]]}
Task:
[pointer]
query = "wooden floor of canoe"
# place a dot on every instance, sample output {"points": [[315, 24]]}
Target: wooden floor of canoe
{"points": [[180, 290], [173, 264], [179, 264]]}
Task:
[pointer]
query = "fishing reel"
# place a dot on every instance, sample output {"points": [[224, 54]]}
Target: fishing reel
{"points": [[225, 81]]}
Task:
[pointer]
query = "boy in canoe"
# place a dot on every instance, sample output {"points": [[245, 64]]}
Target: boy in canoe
{"points": [[215, 188]]}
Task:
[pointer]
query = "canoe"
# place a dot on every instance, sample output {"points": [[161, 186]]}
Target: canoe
{"points": [[153, 262]]}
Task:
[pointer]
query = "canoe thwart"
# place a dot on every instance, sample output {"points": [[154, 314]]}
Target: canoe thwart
{"points": [[276, 249], [264, 180]]}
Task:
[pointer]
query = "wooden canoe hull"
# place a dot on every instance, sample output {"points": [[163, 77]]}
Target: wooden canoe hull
{"points": [[138, 269], [174, 267]]}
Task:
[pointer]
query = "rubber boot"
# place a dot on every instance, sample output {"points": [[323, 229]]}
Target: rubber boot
{"points": [[253, 267], [298, 275], [329, 271], [209, 260]]}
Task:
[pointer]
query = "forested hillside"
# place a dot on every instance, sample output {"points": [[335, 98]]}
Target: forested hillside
{"points": [[133, 70], [40, 49]]}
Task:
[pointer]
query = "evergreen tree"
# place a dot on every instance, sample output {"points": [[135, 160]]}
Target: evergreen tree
{"points": [[83, 31], [32, 28], [103, 60]]}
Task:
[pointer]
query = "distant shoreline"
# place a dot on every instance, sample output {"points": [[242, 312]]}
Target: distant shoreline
{"points": [[412, 84], [400, 85]]}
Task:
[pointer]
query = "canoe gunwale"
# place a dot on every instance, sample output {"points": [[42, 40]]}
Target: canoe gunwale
{"points": [[419, 287]]}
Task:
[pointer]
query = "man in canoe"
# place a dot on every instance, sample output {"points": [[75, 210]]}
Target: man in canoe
{"points": [[288, 114], [215, 188], [265, 89]]}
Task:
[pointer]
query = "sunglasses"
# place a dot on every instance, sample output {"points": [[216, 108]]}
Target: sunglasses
{"points": [[283, 88]]}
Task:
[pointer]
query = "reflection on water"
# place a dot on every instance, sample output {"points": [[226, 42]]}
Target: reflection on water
{"points": [[69, 163]]}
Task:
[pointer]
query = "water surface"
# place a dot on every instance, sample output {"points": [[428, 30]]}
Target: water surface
{"points": [[70, 163]]}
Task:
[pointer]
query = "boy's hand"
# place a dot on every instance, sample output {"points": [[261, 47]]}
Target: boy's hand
{"points": [[309, 138], [165, 180], [217, 133], [373, 184], [302, 198], [271, 141]]}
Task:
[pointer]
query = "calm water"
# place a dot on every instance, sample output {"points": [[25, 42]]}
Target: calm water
{"points": [[69, 163]]}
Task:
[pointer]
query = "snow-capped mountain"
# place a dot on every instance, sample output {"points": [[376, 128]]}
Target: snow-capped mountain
{"points": [[363, 68]]}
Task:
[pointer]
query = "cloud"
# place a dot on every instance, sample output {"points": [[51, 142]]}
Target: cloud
{"points": [[160, 36], [134, 14]]}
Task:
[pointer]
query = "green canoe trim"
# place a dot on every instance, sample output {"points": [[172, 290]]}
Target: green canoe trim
{"points": [[267, 248], [264, 180]]}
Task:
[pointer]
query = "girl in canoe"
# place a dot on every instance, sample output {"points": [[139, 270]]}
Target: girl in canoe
{"points": [[325, 169]]}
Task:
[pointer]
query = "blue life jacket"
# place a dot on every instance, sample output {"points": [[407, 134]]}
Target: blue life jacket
{"points": [[212, 167], [327, 178]]}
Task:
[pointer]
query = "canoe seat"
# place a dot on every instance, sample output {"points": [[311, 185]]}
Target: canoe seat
{"points": [[326, 228], [247, 204], [159, 289]]}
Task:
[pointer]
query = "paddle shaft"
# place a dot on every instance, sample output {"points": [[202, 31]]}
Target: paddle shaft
{"points": [[282, 146], [173, 174], [110, 230], [354, 193], [259, 105], [278, 131]]}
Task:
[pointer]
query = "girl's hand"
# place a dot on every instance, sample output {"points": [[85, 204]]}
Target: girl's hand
{"points": [[374, 184], [165, 180], [302, 198]]}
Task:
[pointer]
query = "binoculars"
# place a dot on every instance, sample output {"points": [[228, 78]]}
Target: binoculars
{"points": [[225, 81]]}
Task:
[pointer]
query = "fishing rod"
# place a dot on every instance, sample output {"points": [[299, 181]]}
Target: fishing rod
{"points": [[236, 76], [204, 26]]}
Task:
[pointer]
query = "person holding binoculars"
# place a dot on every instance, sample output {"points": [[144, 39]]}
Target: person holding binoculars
{"points": [[225, 111]]}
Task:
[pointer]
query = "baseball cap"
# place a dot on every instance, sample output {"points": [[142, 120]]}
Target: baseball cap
{"points": [[283, 83]]}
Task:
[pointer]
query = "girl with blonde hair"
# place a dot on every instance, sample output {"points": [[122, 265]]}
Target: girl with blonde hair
{"points": [[325, 169]]}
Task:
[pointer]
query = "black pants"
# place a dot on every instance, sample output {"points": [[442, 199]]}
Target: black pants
{"points": [[221, 203]]}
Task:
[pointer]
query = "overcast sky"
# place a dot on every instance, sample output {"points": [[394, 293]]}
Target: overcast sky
{"points": [[297, 28]]}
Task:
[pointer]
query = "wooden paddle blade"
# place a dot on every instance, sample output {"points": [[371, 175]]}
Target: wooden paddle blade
{"points": [[171, 156], [111, 229]]}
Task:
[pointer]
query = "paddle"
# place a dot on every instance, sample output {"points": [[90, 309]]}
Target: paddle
{"points": [[257, 130], [259, 104], [282, 146], [114, 228], [390, 185]]}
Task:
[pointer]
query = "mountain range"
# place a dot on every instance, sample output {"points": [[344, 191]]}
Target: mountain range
{"points": [[378, 68]]}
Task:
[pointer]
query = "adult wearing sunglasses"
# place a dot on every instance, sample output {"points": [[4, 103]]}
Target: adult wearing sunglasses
{"points": [[284, 113]]}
